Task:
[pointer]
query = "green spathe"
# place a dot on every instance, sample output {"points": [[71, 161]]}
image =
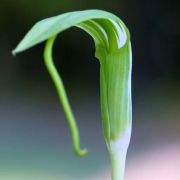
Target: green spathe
{"points": [[46, 28], [113, 50], [115, 78]]}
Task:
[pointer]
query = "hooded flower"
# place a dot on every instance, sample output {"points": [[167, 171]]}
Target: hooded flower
{"points": [[113, 50]]}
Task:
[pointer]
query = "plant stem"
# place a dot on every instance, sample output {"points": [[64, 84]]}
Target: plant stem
{"points": [[118, 165], [118, 150]]}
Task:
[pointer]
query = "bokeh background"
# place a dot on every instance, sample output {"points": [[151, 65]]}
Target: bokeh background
{"points": [[35, 143]]}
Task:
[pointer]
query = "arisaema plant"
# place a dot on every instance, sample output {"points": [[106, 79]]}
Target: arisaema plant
{"points": [[113, 50]]}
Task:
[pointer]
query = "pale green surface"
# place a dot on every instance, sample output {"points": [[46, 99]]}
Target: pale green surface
{"points": [[46, 28], [62, 96], [114, 53]]}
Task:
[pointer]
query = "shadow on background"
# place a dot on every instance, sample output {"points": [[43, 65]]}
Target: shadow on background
{"points": [[34, 136]]}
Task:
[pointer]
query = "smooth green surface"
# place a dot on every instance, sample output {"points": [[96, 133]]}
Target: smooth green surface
{"points": [[49, 27], [62, 95], [113, 50]]}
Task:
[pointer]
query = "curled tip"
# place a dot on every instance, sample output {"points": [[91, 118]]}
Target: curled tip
{"points": [[80, 152]]}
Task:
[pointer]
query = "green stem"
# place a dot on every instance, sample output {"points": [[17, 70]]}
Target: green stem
{"points": [[118, 160], [118, 151], [62, 96]]}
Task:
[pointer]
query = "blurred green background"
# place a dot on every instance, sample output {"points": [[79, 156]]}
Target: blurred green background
{"points": [[34, 137]]}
